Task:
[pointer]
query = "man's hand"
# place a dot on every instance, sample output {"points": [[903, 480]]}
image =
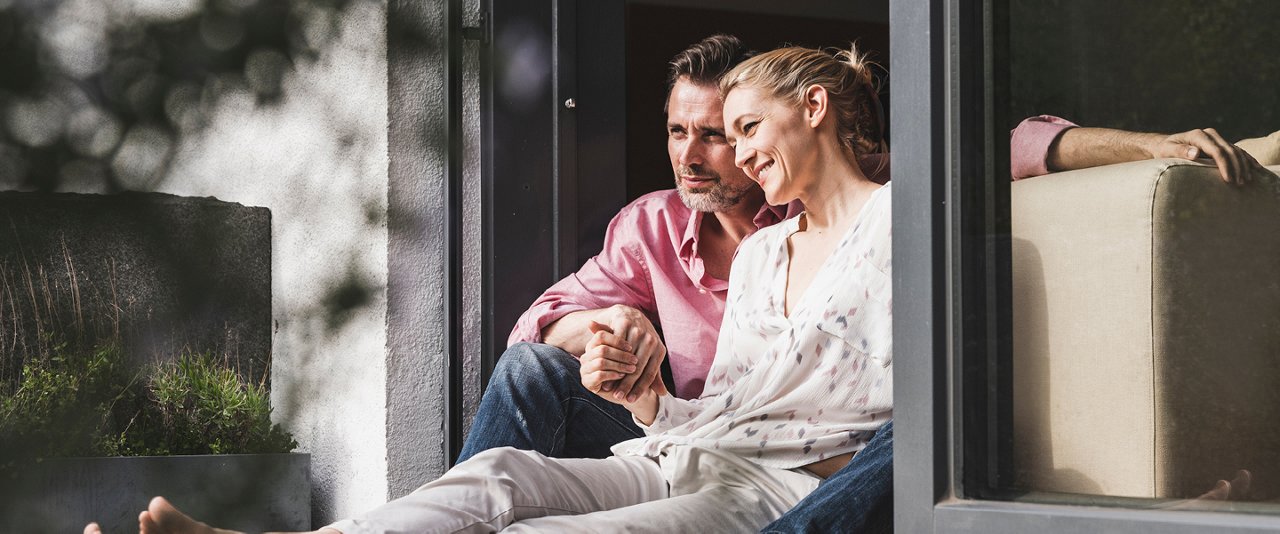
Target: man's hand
{"points": [[635, 328], [1234, 164], [606, 360]]}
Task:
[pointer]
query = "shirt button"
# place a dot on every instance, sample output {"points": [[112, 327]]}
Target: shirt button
{"points": [[703, 291]]}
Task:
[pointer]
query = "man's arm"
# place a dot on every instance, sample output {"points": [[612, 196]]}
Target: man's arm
{"points": [[1079, 148], [612, 288], [1067, 147]]}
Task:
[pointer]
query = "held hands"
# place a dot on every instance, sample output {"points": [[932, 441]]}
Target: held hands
{"points": [[608, 358], [628, 330], [607, 362], [1235, 165]]}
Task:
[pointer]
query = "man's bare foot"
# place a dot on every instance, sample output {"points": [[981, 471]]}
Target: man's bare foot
{"points": [[160, 517], [1235, 490], [92, 528]]}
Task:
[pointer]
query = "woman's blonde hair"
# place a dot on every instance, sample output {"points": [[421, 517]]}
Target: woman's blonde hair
{"points": [[787, 73]]}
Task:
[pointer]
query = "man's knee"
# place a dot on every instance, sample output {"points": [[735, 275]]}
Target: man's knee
{"points": [[530, 364]]}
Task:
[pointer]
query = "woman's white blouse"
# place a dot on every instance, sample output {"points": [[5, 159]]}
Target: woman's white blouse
{"points": [[789, 391]]}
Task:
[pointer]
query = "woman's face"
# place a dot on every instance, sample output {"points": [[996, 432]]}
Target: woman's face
{"points": [[773, 142]]}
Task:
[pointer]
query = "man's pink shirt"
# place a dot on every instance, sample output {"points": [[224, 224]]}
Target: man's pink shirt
{"points": [[650, 262]]}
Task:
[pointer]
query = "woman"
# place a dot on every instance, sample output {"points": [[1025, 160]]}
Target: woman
{"points": [[803, 369]]}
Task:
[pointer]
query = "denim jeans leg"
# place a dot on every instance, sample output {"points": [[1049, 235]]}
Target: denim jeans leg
{"points": [[857, 498], [535, 401]]}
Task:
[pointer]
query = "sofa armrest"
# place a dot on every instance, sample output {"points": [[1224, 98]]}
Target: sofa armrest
{"points": [[1146, 330]]}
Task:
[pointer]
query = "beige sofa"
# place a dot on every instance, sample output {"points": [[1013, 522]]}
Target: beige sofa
{"points": [[1146, 301]]}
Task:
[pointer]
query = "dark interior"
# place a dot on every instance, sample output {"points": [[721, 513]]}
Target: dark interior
{"points": [[655, 33]]}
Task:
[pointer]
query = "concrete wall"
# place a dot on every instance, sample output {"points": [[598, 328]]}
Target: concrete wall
{"points": [[417, 370], [160, 274], [417, 367]]}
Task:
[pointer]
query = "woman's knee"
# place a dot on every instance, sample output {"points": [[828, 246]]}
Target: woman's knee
{"points": [[501, 462]]}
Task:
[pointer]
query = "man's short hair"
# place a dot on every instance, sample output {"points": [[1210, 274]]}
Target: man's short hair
{"points": [[706, 61]]}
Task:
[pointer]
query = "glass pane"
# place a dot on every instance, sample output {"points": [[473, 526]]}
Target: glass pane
{"points": [[1133, 353]]}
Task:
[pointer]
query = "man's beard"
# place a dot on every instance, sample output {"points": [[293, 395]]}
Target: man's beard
{"points": [[718, 197]]}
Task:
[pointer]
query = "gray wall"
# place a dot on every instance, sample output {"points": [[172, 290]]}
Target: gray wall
{"points": [[417, 367], [158, 273]]}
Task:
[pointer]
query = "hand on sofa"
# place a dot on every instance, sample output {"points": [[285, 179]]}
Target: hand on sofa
{"points": [[1235, 164], [1080, 148]]}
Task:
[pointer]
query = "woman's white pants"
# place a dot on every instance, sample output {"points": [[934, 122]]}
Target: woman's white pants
{"points": [[687, 489]]}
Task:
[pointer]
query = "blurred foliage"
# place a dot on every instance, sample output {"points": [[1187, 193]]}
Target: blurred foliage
{"points": [[88, 403], [99, 93]]}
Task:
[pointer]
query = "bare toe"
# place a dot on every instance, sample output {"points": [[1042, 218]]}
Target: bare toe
{"points": [[1240, 484], [167, 519], [147, 525]]}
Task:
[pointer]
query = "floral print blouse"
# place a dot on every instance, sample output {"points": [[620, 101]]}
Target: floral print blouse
{"points": [[789, 391]]}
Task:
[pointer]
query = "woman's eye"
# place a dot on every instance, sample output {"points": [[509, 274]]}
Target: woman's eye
{"points": [[750, 127]]}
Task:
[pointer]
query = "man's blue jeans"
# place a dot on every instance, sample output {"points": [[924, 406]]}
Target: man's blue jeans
{"points": [[858, 498], [535, 401]]}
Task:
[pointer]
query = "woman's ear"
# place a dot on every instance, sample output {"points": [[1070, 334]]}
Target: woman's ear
{"points": [[815, 103]]}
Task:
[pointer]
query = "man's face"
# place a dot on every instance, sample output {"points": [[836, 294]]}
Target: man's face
{"points": [[702, 160]]}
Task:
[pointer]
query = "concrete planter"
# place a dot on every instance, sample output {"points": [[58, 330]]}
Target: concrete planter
{"points": [[246, 492]]}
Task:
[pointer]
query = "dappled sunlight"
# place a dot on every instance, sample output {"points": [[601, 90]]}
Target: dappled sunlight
{"points": [[279, 104]]}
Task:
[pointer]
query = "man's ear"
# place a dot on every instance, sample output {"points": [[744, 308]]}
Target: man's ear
{"points": [[815, 103]]}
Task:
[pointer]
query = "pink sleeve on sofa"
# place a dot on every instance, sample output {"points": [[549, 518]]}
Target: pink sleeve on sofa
{"points": [[1029, 144]]}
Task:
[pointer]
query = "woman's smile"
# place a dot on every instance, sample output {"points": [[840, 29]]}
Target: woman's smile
{"points": [[759, 173]]}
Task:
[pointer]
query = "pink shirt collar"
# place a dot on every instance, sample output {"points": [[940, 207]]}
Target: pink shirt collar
{"points": [[692, 260]]}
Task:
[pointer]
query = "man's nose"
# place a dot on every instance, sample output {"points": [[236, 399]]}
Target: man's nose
{"points": [[691, 153]]}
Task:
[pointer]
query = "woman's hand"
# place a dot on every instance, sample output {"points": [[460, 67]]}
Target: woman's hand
{"points": [[634, 328], [645, 407], [609, 358]]}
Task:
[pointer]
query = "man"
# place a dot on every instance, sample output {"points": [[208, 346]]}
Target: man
{"points": [[664, 268]]}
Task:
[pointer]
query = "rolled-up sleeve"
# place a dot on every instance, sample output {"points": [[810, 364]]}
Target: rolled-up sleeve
{"points": [[617, 275], [1029, 144]]}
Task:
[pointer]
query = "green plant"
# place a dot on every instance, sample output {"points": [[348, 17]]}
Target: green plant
{"points": [[66, 404], [87, 403], [197, 406]]}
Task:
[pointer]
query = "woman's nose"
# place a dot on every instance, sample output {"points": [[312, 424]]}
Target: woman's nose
{"points": [[742, 155]]}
